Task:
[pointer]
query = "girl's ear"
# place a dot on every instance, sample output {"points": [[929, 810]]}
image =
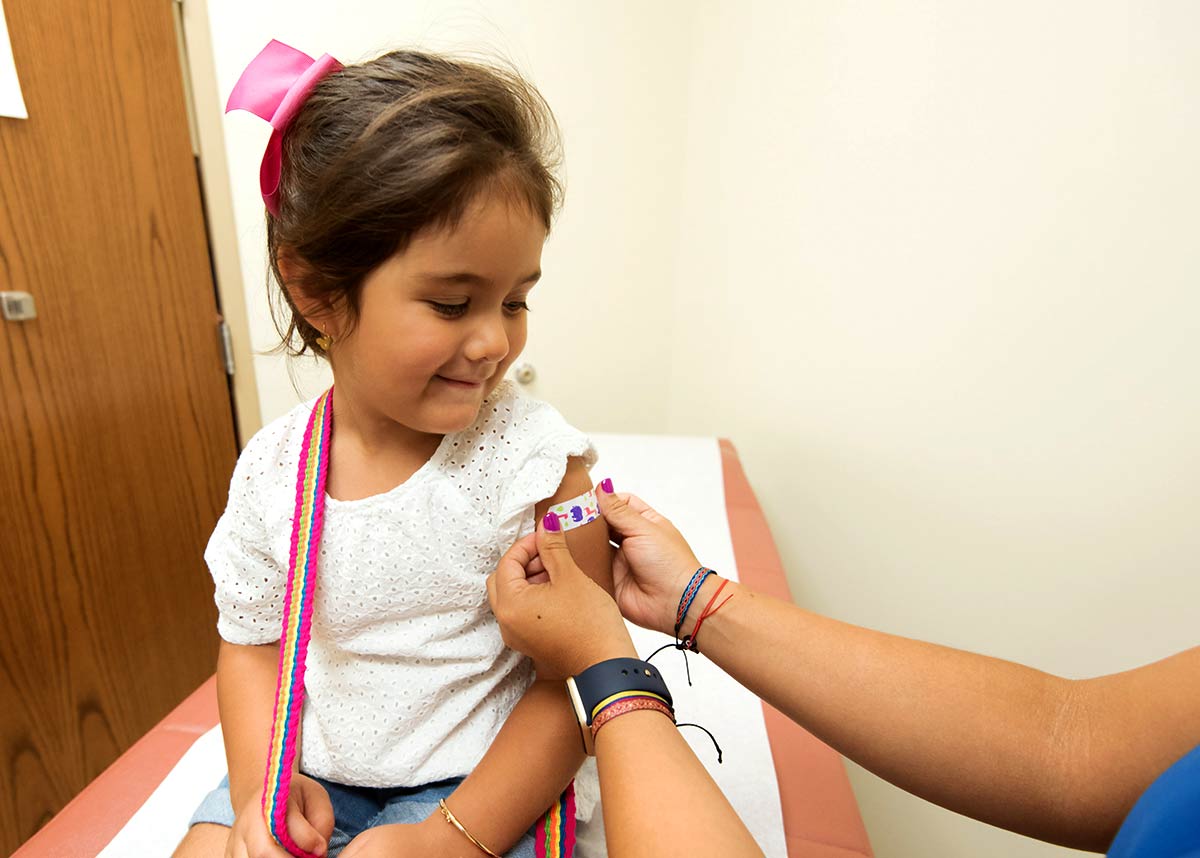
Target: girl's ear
{"points": [[315, 310]]}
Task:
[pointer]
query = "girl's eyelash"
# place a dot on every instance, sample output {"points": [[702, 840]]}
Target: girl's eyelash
{"points": [[453, 311], [449, 310]]}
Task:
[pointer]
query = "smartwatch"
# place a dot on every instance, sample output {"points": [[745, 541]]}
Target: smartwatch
{"points": [[593, 688]]}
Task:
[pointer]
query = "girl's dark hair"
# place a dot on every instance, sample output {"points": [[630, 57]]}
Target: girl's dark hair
{"points": [[383, 149]]}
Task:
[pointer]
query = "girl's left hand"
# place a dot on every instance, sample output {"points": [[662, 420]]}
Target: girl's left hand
{"points": [[420, 840]]}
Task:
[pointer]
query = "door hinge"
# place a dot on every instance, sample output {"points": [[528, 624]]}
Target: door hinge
{"points": [[226, 345]]}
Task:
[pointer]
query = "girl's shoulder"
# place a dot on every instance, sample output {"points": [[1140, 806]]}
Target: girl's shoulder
{"points": [[512, 425], [269, 458], [516, 452]]}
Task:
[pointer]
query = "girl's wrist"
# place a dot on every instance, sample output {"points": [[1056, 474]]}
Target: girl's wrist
{"points": [[441, 838], [618, 646]]}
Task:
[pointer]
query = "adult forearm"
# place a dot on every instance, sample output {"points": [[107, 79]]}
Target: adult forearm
{"points": [[526, 768], [658, 798], [984, 737], [246, 679]]}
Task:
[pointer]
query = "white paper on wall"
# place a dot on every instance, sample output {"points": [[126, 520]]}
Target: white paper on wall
{"points": [[12, 103]]}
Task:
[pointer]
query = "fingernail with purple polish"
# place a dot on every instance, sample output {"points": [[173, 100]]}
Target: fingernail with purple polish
{"points": [[550, 522], [606, 486]]}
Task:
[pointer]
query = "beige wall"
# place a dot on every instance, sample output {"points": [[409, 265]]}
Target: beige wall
{"points": [[949, 251], [931, 265]]}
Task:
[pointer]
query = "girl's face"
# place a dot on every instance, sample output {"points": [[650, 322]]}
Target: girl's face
{"points": [[440, 323]]}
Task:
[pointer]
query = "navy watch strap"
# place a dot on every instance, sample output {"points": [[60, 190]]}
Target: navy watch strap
{"points": [[603, 680]]}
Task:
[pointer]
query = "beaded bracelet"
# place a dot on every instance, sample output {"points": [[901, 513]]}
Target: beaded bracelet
{"points": [[453, 820]]}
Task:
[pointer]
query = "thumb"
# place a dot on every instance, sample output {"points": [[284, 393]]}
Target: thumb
{"points": [[513, 566], [552, 548], [621, 517], [302, 832], [511, 571]]}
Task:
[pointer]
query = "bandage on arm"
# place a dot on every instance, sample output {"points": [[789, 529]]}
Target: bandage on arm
{"points": [[577, 511]]}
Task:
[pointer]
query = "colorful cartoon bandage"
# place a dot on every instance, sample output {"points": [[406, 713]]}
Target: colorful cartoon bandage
{"points": [[577, 511]]}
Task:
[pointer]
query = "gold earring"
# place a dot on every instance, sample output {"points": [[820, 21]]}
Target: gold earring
{"points": [[324, 342]]}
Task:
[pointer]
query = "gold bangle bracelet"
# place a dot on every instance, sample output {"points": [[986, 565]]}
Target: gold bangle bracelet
{"points": [[453, 820]]}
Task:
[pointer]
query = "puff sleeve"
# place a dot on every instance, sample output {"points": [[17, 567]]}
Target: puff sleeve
{"points": [[544, 443], [248, 574]]}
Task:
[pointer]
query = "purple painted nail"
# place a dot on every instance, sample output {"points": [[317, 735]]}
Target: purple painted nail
{"points": [[550, 522], [606, 486]]}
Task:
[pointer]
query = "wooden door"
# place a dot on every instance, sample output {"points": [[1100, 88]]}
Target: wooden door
{"points": [[116, 432]]}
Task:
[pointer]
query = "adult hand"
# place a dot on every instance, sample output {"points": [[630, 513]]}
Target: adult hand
{"points": [[309, 822], [568, 622], [653, 564]]}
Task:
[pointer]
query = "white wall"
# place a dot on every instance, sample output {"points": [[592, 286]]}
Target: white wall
{"points": [[931, 265]]}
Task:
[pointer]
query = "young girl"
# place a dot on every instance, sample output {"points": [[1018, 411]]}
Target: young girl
{"points": [[409, 198]]}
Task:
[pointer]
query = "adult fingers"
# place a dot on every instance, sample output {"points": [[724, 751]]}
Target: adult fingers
{"points": [[552, 548], [623, 518], [511, 570]]}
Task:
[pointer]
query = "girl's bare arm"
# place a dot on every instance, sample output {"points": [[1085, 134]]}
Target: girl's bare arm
{"points": [[538, 751]]}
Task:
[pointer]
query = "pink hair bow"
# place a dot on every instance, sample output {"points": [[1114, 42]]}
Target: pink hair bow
{"points": [[273, 87]]}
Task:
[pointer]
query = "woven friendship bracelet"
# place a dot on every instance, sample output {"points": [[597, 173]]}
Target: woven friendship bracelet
{"points": [[689, 595], [629, 704]]}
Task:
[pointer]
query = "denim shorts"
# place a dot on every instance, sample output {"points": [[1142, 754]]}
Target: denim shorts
{"points": [[355, 809]]}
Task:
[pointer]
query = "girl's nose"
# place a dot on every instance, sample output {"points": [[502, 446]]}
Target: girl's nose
{"points": [[488, 340]]}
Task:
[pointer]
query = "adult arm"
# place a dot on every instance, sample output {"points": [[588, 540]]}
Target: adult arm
{"points": [[1057, 759]]}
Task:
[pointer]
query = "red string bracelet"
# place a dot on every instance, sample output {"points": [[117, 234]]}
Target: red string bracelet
{"points": [[709, 610]]}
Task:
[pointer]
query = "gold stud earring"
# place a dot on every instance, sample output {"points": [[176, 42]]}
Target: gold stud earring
{"points": [[324, 342]]}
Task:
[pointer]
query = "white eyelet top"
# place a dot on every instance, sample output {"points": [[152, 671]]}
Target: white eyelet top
{"points": [[407, 678]]}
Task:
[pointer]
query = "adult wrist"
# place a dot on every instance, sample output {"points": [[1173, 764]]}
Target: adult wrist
{"points": [[703, 597], [675, 596], [613, 687], [698, 586]]}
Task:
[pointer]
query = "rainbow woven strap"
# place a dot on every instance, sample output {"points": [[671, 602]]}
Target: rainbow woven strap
{"points": [[297, 619], [556, 833]]}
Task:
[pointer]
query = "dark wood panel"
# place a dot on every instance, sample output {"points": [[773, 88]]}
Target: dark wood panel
{"points": [[116, 434]]}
